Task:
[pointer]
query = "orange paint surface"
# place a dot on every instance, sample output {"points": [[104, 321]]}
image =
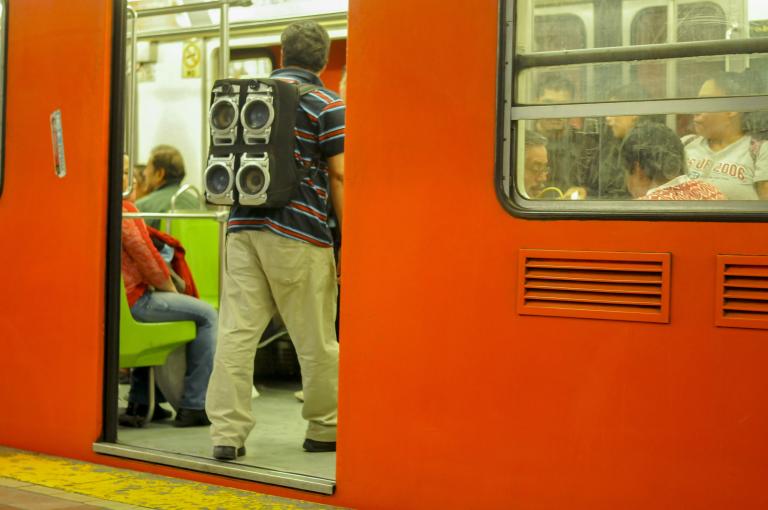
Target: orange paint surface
{"points": [[52, 260], [448, 398]]}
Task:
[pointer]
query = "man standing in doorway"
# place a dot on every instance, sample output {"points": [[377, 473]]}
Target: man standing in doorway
{"points": [[281, 260]]}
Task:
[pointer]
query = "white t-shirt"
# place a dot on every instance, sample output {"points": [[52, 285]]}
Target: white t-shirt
{"points": [[733, 169]]}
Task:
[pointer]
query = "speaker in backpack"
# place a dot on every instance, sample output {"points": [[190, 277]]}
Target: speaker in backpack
{"points": [[258, 113], [252, 179], [220, 180], [222, 117]]}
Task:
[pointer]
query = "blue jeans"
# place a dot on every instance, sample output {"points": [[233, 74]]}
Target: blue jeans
{"points": [[169, 307]]}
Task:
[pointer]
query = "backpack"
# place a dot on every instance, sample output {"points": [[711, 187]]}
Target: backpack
{"points": [[251, 160]]}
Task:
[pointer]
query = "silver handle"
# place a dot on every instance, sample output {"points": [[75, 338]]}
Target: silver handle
{"points": [[183, 189], [130, 149]]}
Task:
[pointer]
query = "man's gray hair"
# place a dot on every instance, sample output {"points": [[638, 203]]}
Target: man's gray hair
{"points": [[306, 45], [533, 138]]}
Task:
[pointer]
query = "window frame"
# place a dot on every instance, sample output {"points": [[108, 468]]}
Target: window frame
{"points": [[510, 65], [3, 87]]}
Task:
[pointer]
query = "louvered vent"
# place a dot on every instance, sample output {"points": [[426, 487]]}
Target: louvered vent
{"points": [[742, 291], [597, 285]]}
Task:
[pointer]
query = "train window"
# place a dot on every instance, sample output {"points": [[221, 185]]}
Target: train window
{"points": [[559, 32], [3, 43], [636, 113]]}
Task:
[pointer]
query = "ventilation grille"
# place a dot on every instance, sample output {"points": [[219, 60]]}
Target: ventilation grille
{"points": [[742, 291], [597, 285]]}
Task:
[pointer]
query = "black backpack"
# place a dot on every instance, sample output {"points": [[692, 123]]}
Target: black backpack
{"points": [[251, 159]]}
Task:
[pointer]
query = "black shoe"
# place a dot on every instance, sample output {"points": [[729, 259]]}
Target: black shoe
{"points": [[312, 446], [135, 415], [191, 418], [228, 452]]}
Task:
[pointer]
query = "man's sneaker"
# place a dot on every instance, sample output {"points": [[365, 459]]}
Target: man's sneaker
{"points": [[191, 418], [299, 395], [135, 415], [227, 452], [312, 446]]}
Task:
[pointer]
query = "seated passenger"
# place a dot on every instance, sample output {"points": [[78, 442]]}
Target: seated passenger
{"points": [[722, 153], [654, 161], [153, 297], [139, 182], [162, 177], [536, 171], [607, 180], [565, 145]]}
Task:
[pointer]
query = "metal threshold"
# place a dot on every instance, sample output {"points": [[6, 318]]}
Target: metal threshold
{"points": [[230, 469]]}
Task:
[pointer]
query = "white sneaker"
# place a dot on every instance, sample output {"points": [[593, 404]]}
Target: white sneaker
{"points": [[254, 392], [299, 395]]}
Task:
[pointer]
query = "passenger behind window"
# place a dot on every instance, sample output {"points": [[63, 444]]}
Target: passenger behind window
{"points": [[606, 180], [653, 159], [565, 146], [153, 297], [139, 182], [721, 152], [536, 171], [162, 176]]}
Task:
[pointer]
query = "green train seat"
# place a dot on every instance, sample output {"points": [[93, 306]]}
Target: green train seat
{"points": [[145, 344], [200, 238]]}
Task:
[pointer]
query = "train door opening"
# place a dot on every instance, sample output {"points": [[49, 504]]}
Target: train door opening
{"points": [[173, 54]]}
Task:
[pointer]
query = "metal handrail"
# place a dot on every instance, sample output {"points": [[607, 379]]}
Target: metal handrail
{"points": [[132, 104], [331, 21], [220, 216], [199, 6], [646, 52], [183, 189]]}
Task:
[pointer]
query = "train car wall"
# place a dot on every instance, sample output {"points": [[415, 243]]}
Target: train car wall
{"points": [[448, 399], [170, 110], [52, 261]]}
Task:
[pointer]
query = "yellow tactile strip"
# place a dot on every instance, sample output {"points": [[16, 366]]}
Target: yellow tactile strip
{"points": [[133, 487]]}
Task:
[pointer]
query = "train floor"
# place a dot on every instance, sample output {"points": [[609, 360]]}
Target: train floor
{"points": [[275, 442], [39, 482]]}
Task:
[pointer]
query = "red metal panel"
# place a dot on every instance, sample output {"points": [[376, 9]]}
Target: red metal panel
{"points": [[596, 285]]}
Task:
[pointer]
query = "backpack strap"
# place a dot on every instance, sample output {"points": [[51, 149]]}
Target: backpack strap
{"points": [[304, 89]]}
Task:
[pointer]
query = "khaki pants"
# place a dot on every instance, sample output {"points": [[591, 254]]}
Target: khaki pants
{"points": [[266, 273]]}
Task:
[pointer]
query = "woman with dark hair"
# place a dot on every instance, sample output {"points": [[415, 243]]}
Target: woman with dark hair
{"points": [[607, 181], [654, 163], [722, 152], [154, 297]]}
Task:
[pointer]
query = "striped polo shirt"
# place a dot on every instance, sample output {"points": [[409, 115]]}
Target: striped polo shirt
{"points": [[319, 129]]}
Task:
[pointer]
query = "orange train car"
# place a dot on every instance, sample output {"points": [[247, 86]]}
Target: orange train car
{"points": [[498, 350]]}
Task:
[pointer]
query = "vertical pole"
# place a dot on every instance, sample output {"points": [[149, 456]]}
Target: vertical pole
{"points": [[672, 37], [223, 73], [224, 36], [131, 137]]}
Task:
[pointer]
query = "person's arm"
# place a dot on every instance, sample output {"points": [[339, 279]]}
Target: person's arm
{"points": [[762, 190], [150, 264], [761, 170], [336, 178]]}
